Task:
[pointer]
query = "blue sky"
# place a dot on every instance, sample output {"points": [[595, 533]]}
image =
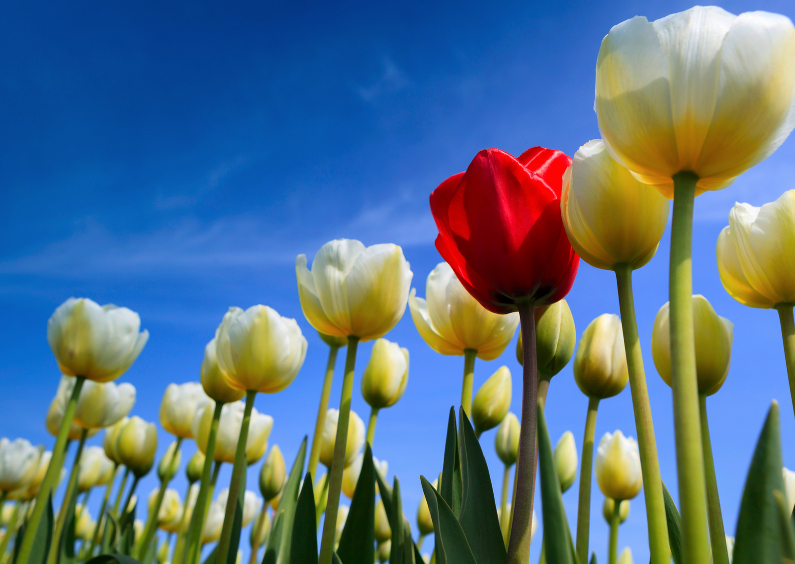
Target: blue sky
{"points": [[175, 158]]}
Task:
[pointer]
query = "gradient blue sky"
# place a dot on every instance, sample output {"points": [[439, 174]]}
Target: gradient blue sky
{"points": [[175, 157]]}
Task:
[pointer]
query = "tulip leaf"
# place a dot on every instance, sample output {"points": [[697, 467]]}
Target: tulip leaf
{"points": [[41, 544], [357, 542], [557, 540], [274, 540], [478, 516], [126, 537], [287, 505], [109, 533], [785, 526], [386, 493], [212, 557], [396, 524], [303, 544], [758, 537], [674, 521], [593, 558], [452, 484], [237, 524], [67, 542], [113, 558], [451, 546]]}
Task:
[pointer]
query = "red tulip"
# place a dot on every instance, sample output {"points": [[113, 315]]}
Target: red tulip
{"points": [[500, 228]]}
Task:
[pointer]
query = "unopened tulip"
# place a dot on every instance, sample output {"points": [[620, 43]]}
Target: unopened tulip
{"points": [[609, 506], [555, 338], [451, 321], [251, 504], [19, 463], [169, 464], [193, 470], [84, 524], [386, 375], [350, 477], [162, 552], [424, 521], [264, 529], [600, 365], [626, 556], [213, 379], [507, 440], [384, 549], [99, 405], [789, 487], [55, 419], [136, 444], [617, 466], [354, 443], [95, 469], [171, 525], [673, 95], [566, 460], [229, 432], [259, 350], [169, 509], [111, 436], [273, 474], [179, 406], [492, 401], [713, 335], [320, 490], [730, 547], [96, 342], [353, 290], [383, 531]]}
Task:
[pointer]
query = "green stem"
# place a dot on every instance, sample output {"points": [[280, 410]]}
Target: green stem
{"points": [[335, 472], [717, 534], [314, 453], [53, 471], [154, 514], [11, 524], [519, 544], [193, 543], [659, 549], [234, 485], [86, 496], [322, 501], [371, 425], [615, 520], [504, 517], [687, 427], [586, 477], [3, 498], [71, 492], [258, 532], [120, 493], [179, 546], [101, 515], [788, 335], [419, 543], [136, 479], [469, 375]]}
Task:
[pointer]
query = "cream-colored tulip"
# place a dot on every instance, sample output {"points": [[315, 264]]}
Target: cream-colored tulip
{"points": [[755, 258], [451, 321], [214, 522], [424, 520], [350, 476], [674, 95], [273, 474], [55, 418], [169, 509], [626, 556], [789, 487], [713, 335], [19, 463], [7, 514], [383, 551], [566, 460], [609, 506], [169, 463], [383, 532], [29, 491], [617, 466], [84, 524], [264, 530], [213, 379], [342, 517], [354, 443], [506, 442], [95, 469], [179, 406], [600, 365], [195, 467], [258, 349], [99, 405], [111, 436], [610, 217], [555, 338], [386, 375], [187, 507], [251, 504], [492, 401], [97, 342], [353, 290], [136, 444], [229, 431]]}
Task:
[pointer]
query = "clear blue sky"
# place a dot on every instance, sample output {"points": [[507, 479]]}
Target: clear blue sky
{"points": [[175, 157]]}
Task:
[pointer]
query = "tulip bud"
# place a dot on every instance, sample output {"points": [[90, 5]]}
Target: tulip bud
{"points": [[320, 489], [626, 556], [138, 525], [170, 506], [195, 467], [342, 516], [162, 552], [111, 436], [383, 532], [169, 464], [566, 460], [617, 466], [354, 443], [95, 469], [384, 549], [713, 335], [730, 547], [264, 528], [386, 375], [229, 431], [600, 365], [136, 444], [84, 524], [214, 521], [19, 463], [424, 521], [609, 506], [99, 405], [271, 477], [555, 338], [332, 341], [179, 407], [276, 500], [350, 476], [507, 440], [492, 401], [56, 412], [213, 378], [789, 488]]}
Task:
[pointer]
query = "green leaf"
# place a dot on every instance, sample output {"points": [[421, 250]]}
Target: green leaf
{"points": [[335, 559], [386, 493], [478, 516], [237, 524], [113, 559], [274, 540], [126, 541], [357, 542], [109, 533], [287, 504], [67, 545], [41, 546], [674, 521], [151, 550], [785, 526], [593, 558], [451, 546], [303, 545], [758, 531], [212, 557], [452, 485], [396, 524], [557, 540]]}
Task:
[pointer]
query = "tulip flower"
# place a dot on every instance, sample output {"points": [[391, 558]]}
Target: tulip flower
{"points": [[501, 231], [28, 492], [169, 464], [136, 444], [353, 444], [626, 556], [609, 507], [99, 405], [251, 504], [182, 523], [54, 422], [600, 365], [342, 517], [566, 460], [273, 474], [193, 471], [555, 340], [384, 379], [169, 508], [19, 463], [383, 532], [213, 522], [452, 322], [179, 406], [492, 401], [84, 524], [229, 429], [95, 469], [424, 520], [618, 467]]}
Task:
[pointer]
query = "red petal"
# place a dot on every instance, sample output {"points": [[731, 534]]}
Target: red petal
{"points": [[547, 164]]}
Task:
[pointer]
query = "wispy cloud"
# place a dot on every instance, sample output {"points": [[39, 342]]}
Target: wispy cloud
{"points": [[392, 79]]}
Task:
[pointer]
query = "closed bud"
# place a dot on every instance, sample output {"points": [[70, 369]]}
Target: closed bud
{"points": [[354, 443], [386, 375], [169, 464], [617, 466], [566, 460], [350, 476], [95, 469], [507, 440], [384, 549], [320, 489], [383, 532], [600, 365], [713, 335], [229, 426], [136, 444], [626, 556], [111, 436], [555, 338], [84, 524], [492, 401], [271, 477], [424, 521], [56, 412], [609, 506], [195, 467]]}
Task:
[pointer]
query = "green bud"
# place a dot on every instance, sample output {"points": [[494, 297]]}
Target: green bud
{"points": [[195, 467], [555, 338], [600, 365], [506, 442], [169, 464], [610, 505], [384, 549], [271, 477], [492, 401], [566, 460]]}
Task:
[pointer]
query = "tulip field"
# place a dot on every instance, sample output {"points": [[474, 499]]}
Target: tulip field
{"points": [[684, 105]]}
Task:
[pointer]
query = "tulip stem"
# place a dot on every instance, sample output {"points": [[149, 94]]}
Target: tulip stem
{"points": [[586, 477], [136, 479], [788, 334], [687, 427], [615, 519], [121, 491], [717, 534], [314, 453], [53, 471], [101, 514], [179, 546], [154, 513], [647, 444], [234, 485], [257, 534], [519, 545], [11, 525], [338, 461], [197, 519], [322, 501], [71, 492], [371, 425], [469, 375], [420, 541], [504, 517]]}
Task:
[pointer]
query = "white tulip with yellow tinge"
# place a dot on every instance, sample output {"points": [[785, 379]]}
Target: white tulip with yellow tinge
{"points": [[617, 466], [506, 442], [383, 532], [213, 379], [179, 406], [353, 290], [84, 524], [713, 335], [701, 90], [626, 556], [566, 459], [55, 418], [19, 463], [251, 504], [386, 374], [342, 517], [492, 401], [610, 217], [354, 443], [600, 365], [229, 431], [171, 507], [29, 491], [136, 443], [169, 463], [111, 436], [95, 469]]}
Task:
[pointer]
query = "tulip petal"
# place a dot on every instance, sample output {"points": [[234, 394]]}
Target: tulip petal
{"points": [[330, 270], [731, 274], [419, 313], [310, 303], [772, 239]]}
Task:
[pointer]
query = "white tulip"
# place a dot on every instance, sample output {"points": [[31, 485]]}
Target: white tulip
{"points": [[170, 509], [99, 405], [354, 443], [213, 378], [19, 463], [566, 460], [350, 476], [179, 406], [95, 469], [229, 431], [55, 418], [251, 504], [617, 466], [386, 374]]}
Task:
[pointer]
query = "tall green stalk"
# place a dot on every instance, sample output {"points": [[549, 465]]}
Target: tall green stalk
{"points": [[128, 499], [12, 524], [504, 517], [340, 442], [101, 515], [656, 522], [314, 453], [615, 520], [53, 471], [71, 491], [257, 534], [717, 534], [371, 425], [687, 426], [586, 478], [120, 493], [469, 375], [152, 518], [788, 335]]}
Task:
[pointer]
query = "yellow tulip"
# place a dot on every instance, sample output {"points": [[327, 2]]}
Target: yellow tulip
{"points": [[354, 443], [609, 506], [566, 460], [272, 475], [383, 532], [492, 401], [674, 95], [95, 469], [229, 432], [617, 466], [136, 444], [179, 406], [213, 378], [19, 463], [386, 375], [600, 365], [507, 440]]}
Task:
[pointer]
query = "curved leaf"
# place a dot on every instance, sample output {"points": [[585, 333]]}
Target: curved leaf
{"points": [[674, 526], [357, 542], [287, 505], [451, 485], [303, 544], [451, 546]]}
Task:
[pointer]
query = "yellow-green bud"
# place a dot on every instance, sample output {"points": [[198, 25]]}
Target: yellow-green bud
{"points": [[600, 365], [264, 528], [610, 505], [492, 401], [333, 341], [169, 464], [162, 552], [136, 444], [424, 521], [383, 532], [506, 442], [321, 493], [386, 375], [384, 549], [617, 466], [555, 338], [271, 477], [195, 467], [566, 460], [626, 556]]}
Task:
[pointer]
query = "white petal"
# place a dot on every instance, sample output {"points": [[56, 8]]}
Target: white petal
{"points": [[330, 269], [310, 303]]}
